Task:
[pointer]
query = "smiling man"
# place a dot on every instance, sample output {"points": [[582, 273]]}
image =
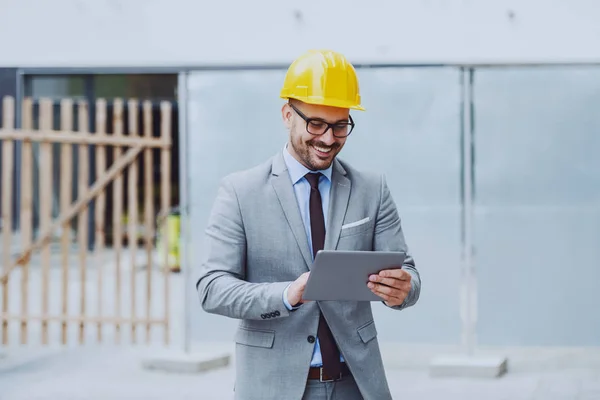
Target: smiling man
{"points": [[309, 144], [266, 226]]}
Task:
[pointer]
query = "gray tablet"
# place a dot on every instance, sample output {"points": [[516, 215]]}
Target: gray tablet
{"points": [[343, 275]]}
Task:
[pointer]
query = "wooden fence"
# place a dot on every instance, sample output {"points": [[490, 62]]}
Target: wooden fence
{"points": [[132, 153]]}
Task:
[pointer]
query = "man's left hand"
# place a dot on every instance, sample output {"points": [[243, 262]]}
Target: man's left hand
{"points": [[392, 285]]}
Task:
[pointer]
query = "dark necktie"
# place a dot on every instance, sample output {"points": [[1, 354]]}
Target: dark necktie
{"points": [[329, 350]]}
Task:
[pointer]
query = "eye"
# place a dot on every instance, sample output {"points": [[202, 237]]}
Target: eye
{"points": [[317, 124], [342, 126]]}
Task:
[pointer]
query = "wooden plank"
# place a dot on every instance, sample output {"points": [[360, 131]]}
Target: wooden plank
{"points": [[45, 166], [77, 138], [148, 211], [100, 207], [26, 210], [66, 198], [8, 113], [79, 319], [82, 218], [85, 198], [118, 213], [165, 164], [132, 212]]}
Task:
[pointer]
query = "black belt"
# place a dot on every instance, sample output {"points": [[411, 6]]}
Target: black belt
{"points": [[317, 373]]}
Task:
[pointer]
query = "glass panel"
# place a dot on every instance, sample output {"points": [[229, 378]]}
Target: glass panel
{"points": [[142, 86], [410, 132], [234, 122], [537, 217], [54, 86]]}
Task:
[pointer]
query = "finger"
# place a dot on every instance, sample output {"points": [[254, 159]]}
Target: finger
{"points": [[388, 298], [392, 282], [395, 273], [383, 296], [388, 290]]}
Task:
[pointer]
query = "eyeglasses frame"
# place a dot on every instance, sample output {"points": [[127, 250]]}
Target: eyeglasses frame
{"points": [[331, 126]]}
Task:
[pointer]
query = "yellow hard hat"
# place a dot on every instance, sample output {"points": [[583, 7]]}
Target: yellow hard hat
{"points": [[322, 77]]}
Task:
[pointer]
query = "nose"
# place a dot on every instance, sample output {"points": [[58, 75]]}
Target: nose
{"points": [[328, 138]]}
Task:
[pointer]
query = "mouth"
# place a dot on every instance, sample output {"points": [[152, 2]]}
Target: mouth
{"points": [[322, 151]]}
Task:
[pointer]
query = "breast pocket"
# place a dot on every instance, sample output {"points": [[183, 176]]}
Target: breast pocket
{"points": [[357, 235], [357, 227]]}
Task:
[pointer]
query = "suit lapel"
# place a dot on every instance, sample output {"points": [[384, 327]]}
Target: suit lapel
{"points": [[338, 204], [287, 199]]}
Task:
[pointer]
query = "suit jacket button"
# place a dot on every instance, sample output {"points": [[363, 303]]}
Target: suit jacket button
{"points": [[311, 339], [277, 313], [263, 316]]}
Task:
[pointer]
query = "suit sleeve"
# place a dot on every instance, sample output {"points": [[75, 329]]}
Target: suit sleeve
{"points": [[389, 237], [222, 287]]}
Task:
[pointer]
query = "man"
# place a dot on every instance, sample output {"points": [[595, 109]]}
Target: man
{"points": [[265, 228]]}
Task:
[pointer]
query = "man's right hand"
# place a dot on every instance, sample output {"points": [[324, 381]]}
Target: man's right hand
{"points": [[296, 289]]}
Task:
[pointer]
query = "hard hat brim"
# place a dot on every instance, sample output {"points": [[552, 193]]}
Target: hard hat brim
{"points": [[320, 101]]}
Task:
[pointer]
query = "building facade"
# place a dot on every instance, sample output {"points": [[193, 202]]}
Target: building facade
{"points": [[483, 117]]}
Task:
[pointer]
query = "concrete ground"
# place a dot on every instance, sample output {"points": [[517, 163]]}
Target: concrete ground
{"points": [[117, 373]]}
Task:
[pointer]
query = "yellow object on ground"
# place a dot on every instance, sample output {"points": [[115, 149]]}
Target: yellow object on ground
{"points": [[169, 228]]}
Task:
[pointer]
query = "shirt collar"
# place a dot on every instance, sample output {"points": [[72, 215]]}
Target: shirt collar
{"points": [[297, 170]]}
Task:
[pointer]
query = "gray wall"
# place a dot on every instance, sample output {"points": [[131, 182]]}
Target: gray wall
{"points": [[537, 222], [537, 190], [276, 32]]}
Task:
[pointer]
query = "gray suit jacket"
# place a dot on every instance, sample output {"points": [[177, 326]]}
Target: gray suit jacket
{"points": [[257, 245]]}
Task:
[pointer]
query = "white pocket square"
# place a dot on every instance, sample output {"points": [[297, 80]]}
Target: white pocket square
{"points": [[356, 223]]}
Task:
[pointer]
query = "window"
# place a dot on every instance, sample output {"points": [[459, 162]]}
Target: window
{"points": [[55, 86], [141, 86]]}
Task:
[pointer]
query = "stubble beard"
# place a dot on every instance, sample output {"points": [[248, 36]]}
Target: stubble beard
{"points": [[309, 158]]}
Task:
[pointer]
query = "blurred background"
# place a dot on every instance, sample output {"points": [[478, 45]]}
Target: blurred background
{"points": [[484, 116]]}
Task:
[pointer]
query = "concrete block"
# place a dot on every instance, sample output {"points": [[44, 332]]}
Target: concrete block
{"points": [[187, 363], [466, 366]]}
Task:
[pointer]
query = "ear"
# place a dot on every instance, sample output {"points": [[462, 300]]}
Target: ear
{"points": [[286, 115]]}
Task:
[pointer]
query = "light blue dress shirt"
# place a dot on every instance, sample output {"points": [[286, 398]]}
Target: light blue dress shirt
{"points": [[302, 191]]}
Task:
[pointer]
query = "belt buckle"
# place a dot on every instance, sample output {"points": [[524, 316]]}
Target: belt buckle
{"points": [[328, 380]]}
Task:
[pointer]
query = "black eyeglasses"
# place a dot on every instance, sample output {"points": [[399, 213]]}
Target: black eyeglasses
{"points": [[317, 126]]}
